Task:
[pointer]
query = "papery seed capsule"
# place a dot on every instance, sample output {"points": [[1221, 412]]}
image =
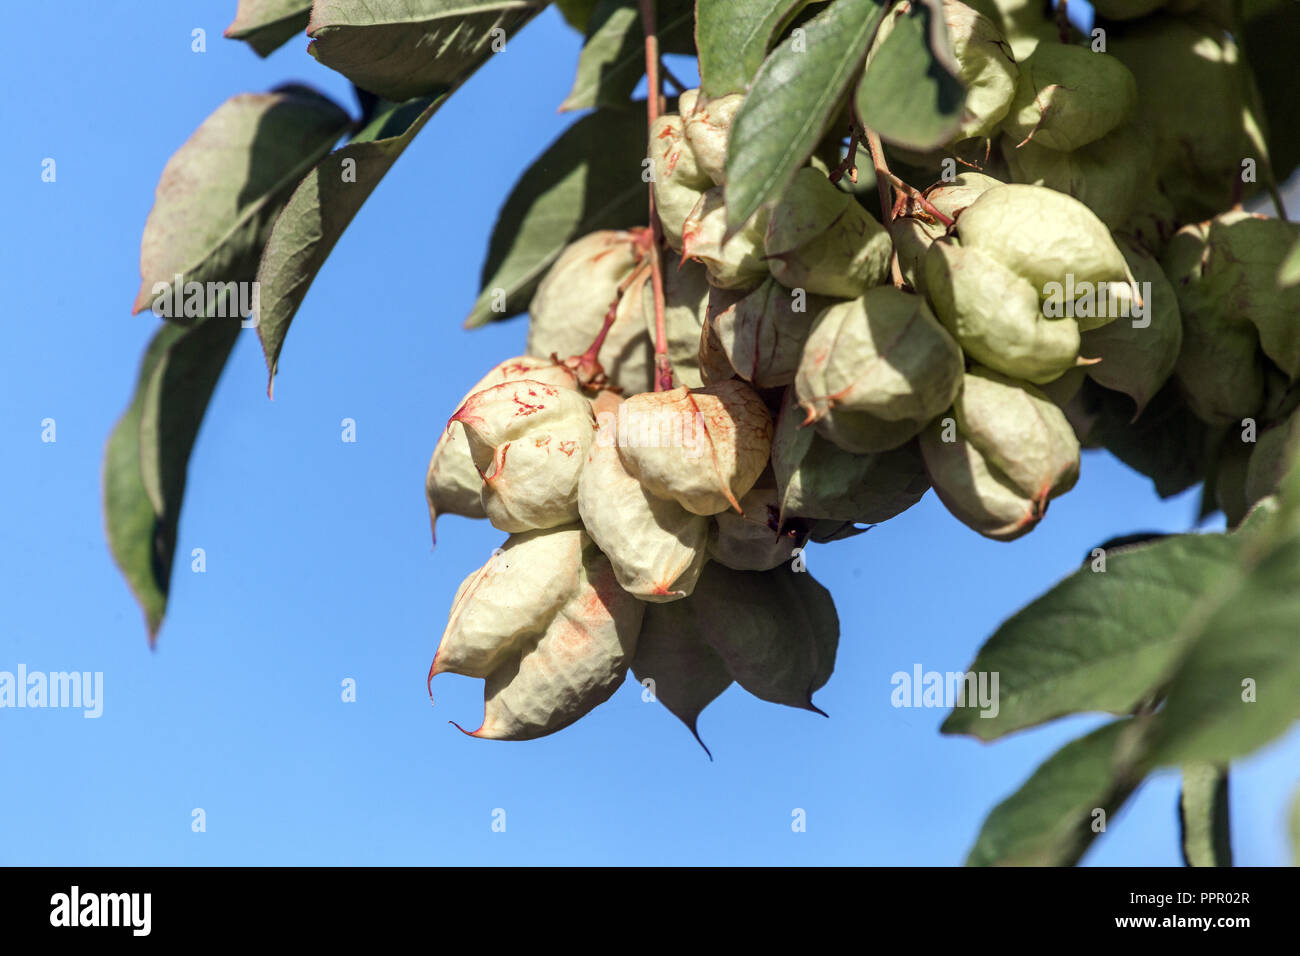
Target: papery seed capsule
{"points": [[735, 262]]}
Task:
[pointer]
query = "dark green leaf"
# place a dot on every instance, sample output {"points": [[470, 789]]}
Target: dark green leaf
{"points": [[400, 49], [733, 38], [1054, 817], [266, 25], [154, 438], [220, 192], [613, 58], [588, 179], [1203, 816], [1099, 640], [792, 102], [907, 94], [1269, 38], [320, 210]]}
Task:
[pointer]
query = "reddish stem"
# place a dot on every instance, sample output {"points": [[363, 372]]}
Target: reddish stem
{"points": [[883, 179], [663, 367], [915, 195]]}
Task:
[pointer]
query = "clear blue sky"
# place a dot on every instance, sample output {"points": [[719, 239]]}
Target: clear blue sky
{"points": [[318, 559]]}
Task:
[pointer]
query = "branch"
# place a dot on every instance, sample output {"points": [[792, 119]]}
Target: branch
{"points": [[883, 179], [663, 367]]}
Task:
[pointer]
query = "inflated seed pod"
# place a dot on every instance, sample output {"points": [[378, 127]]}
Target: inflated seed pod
{"points": [[735, 262], [1068, 96], [528, 441], [763, 333], [875, 369], [820, 239], [678, 180], [708, 126], [753, 540]]}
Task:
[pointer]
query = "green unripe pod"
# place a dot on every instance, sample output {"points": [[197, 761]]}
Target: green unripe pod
{"points": [[1069, 96]]}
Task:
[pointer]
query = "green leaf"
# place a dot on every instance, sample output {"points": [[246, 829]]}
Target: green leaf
{"points": [[588, 179], [1289, 273], [400, 49], [792, 102], [266, 25], [220, 192], [733, 37], [907, 94], [1203, 816], [613, 58], [154, 437], [671, 651], [318, 212], [1099, 640], [1053, 818]]}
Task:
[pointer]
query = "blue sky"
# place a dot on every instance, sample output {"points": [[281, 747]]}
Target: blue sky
{"points": [[318, 560]]}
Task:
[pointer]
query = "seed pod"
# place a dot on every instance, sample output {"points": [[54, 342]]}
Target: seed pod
{"points": [[755, 540], [678, 180], [996, 315], [912, 239], [1068, 96], [986, 67], [1273, 455], [1196, 95], [509, 600], [703, 447], [817, 479], [951, 198], [656, 546], [1044, 236], [1139, 354], [974, 492], [762, 334], [545, 664], [568, 310], [708, 125], [1220, 367], [736, 263], [875, 369], [686, 301], [1019, 433], [452, 484], [1106, 175], [529, 441], [821, 239]]}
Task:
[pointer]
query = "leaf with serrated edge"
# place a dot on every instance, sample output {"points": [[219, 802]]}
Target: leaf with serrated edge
{"points": [[1098, 641], [319, 210], [266, 25], [1049, 820], [219, 193], [588, 179], [792, 101], [399, 49]]}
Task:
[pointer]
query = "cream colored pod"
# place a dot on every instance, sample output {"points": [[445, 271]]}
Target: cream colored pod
{"points": [[708, 126], [703, 448], [678, 182], [1068, 96], [452, 484], [569, 307], [821, 239], [734, 263], [657, 547], [686, 301], [875, 369], [547, 627], [1005, 451], [913, 235], [528, 441]]}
